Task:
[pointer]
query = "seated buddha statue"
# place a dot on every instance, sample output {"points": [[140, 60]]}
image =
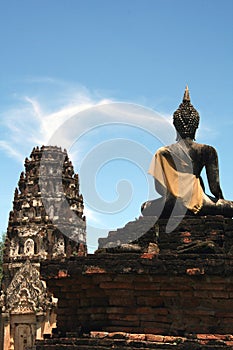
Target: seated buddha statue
{"points": [[177, 172]]}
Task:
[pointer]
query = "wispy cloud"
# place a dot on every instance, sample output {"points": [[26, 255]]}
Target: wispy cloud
{"points": [[44, 116], [10, 150], [32, 120]]}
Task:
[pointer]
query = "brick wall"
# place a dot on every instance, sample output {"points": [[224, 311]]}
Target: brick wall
{"points": [[167, 295]]}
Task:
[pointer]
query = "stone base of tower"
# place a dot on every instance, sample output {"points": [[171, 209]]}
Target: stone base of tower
{"points": [[176, 296]]}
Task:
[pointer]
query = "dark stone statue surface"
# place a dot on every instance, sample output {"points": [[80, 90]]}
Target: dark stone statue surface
{"points": [[177, 172]]}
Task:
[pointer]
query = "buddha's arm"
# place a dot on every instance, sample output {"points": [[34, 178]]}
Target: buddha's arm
{"points": [[212, 171]]}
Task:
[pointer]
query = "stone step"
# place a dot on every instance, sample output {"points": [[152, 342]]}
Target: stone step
{"points": [[125, 344]]}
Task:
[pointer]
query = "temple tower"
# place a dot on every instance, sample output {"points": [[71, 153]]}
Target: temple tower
{"points": [[46, 223]]}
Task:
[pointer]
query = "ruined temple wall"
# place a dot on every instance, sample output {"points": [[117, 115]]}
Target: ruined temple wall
{"points": [[139, 304], [141, 294]]}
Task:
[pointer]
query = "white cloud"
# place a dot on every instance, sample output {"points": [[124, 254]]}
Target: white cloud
{"points": [[93, 218], [10, 150], [31, 122], [36, 117]]}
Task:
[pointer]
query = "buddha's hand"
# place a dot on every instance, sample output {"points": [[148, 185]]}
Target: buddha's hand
{"points": [[221, 201]]}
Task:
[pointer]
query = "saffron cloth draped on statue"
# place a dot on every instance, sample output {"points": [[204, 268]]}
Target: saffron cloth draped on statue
{"points": [[171, 166]]}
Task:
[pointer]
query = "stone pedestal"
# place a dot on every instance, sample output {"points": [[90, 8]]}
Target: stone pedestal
{"points": [[212, 234]]}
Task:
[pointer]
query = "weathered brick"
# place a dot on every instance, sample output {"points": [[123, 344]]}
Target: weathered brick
{"points": [[119, 310], [169, 339], [121, 301], [98, 334], [94, 269], [195, 271], [154, 338], [220, 294], [123, 317], [147, 286], [150, 301], [118, 335], [116, 285], [94, 293], [137, 337], [169, 293]]}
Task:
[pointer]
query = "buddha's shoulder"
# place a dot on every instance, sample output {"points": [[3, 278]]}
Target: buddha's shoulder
{"points": [[203, 146], [163, 150], [204, 150]]}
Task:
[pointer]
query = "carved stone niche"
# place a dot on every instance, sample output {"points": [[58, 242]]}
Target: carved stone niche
{"points": [[59, 247], [26, 292], [29, 248], [14, 248], [27, 309]]}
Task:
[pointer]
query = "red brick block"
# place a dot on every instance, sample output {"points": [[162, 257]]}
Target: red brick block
{"points": [[121, 301], [195, 271], [219, 294], [117, 335], [116, 285], [209, 286], [169, 293], [148, 256], [123, 317], [143, 310], [97, 279], [163, 324], [62, 274], [124, 323], [186, 240], [118, 310], [99, 335], [98, 317], [94, 269], [147, 286], [126, 329], [136, 337], [87, 285], [154, 338], [124, 278], [150, 301], [185, 234], [207, 336], [156, 329], [95, 309], [94, 293], [229, 343], [170, 339], [205, 294]]}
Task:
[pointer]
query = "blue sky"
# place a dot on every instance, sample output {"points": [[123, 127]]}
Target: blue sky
{"points": [[60, 57]]}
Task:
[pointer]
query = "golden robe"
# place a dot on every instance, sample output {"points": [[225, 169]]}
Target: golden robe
{"points": [[171, 166]]}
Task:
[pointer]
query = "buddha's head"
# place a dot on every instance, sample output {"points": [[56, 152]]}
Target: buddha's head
{"points": [[186, 118]]}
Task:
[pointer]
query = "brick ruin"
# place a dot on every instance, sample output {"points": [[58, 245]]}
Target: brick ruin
{"points": [[160, 291], [46, 205]]}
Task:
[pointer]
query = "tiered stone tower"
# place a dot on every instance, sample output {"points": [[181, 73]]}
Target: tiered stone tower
{"points": [[44, 205], [46, 223]]}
